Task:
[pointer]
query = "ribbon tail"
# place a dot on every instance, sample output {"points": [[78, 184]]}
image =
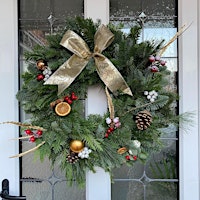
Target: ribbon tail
{"points": [[67, 72], [110, 75]]}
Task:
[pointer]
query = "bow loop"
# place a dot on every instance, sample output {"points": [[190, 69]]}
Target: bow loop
{"points": [[103, 38], [75, 44]]}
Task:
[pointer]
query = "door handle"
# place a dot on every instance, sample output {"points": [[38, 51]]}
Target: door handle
{"points": [[5, 192]]}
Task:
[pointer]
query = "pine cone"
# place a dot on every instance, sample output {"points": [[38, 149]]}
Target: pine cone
{"points": [[72, 157], [143, 120]]}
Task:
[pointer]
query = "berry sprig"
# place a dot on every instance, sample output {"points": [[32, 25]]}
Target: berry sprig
{"points": [[45, 71], [34, 134], [68, 99], [84, 153], [151, 95], [113, 124], [71, 98], [156, 63], [132, 151]]}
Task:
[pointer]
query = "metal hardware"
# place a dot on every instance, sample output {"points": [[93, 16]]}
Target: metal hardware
{"points": [[5, 192]]}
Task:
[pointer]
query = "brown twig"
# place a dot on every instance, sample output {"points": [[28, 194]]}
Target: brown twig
{"points": [[29, 151]]}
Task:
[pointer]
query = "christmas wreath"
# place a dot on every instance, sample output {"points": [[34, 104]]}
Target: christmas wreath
{"points": [[55, 85]]}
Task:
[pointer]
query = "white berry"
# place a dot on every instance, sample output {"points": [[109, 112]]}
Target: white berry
{"points": [[136, 143], [116, 120], [108, 120]]}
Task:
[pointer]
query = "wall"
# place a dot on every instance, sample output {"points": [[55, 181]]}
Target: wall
{"points": [[9, 168], [189, 91]]}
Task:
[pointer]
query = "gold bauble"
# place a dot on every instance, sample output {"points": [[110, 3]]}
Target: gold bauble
{"points": [[76, 146], [41, 64]]}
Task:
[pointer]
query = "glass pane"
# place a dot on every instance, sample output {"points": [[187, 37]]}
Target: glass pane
{"points": [[71, 193], [155, 13], [158, 34], [38, 18], [128, 190], [37, 190], [162, 190], [163, 165], [42, 14]]}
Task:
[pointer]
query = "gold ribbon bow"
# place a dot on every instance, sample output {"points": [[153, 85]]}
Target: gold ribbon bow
{"points": [[69, 70]]}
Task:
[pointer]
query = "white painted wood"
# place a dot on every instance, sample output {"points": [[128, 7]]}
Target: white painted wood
{"points": [[98, 185], [189, 45], [97, 9], [9, 168]]}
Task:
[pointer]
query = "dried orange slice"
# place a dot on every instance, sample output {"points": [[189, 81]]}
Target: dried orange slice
{"points": [[62, 109], [122, 150]]}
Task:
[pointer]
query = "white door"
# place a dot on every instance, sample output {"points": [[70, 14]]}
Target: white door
{"points": [[189, 44]]}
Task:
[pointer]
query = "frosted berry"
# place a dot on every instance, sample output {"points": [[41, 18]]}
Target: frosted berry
{"points": [[116, 120], [151, 58], [157, 58], [154, 69], [118, 124], [162, 62], [108, 120]]}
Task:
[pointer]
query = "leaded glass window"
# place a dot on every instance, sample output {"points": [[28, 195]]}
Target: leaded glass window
{"points": [[38, 18]]}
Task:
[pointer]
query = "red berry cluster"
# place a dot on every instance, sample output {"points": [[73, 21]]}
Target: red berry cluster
{"points": [[34, 134], [109, 131], [156, 62], [130, 157], [113, 124], [71, 98]]}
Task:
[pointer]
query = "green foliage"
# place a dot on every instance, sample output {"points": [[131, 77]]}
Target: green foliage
{"points": [[131, 58]]}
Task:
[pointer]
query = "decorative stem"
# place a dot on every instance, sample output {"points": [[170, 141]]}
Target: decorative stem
{"points": [[30, 150]]}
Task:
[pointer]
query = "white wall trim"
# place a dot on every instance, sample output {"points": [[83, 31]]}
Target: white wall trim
{"points": [[9, 168], [189, 91]]}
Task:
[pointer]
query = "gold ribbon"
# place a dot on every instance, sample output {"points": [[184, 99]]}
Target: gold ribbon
{"points": [[69, 70]]}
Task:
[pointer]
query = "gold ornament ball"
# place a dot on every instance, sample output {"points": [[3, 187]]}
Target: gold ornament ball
{"points": [[76, 146], [41, 64]]}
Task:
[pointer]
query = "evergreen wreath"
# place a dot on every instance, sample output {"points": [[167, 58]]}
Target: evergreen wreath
{"points": [[130, 130]]}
